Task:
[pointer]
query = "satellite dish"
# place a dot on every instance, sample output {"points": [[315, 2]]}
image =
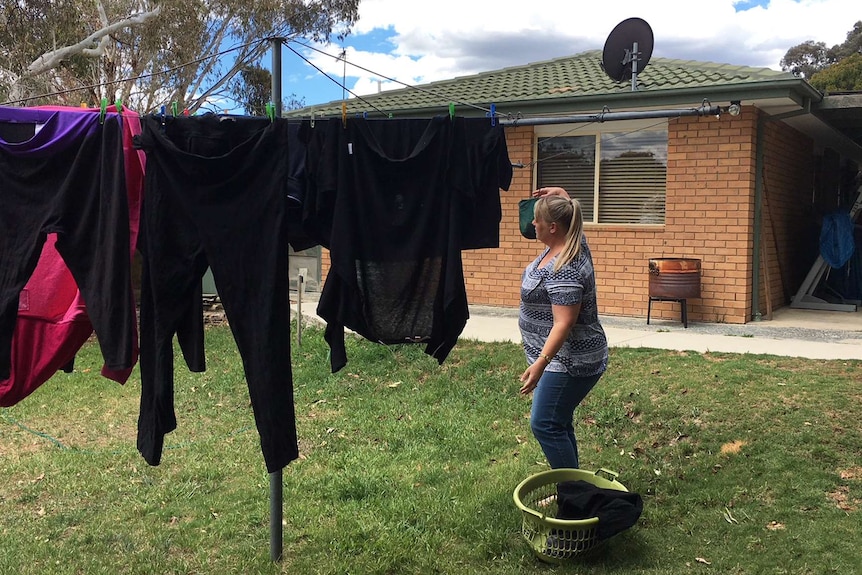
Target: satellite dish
{"points": [[627, 50]]}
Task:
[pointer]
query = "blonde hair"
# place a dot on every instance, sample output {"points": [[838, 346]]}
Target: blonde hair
{"points": [[567, 214]]}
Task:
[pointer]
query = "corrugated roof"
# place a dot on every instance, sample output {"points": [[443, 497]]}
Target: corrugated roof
{"points": [[551, 81]]}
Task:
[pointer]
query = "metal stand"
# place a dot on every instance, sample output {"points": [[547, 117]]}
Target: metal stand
{"points": [[275, 515], [276, 497], [805, 298], [682, 302]]}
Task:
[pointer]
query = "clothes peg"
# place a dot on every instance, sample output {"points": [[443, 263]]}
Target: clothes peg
{"points": [[162, 110], [312, 119], [493, 114], [185, 111], [119, 105], [84, 105], [344, 114], [270, 111], [103, 109], [451, 110], [174, 107]]}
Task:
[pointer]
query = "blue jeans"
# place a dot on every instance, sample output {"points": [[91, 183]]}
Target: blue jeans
{"points": [[554, 401]]}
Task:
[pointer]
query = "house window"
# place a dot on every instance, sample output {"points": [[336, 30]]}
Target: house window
{"points": [[626, 186]]}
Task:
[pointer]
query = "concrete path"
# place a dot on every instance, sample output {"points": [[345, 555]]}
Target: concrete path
{"points": [[791, 333]]}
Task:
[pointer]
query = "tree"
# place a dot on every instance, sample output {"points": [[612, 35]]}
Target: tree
{"points": [[253, 90], [807, 58], [843, 76], [810, 58], [149, 52], [853, 43]]}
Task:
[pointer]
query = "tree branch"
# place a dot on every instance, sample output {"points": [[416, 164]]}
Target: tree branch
{"points": [[52, 59]]}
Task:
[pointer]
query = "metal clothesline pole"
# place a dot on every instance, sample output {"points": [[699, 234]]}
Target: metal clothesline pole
{"points": [[276, 495]]}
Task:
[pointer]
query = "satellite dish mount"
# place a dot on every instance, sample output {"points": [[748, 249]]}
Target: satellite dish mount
{"points": [[627, 51]]}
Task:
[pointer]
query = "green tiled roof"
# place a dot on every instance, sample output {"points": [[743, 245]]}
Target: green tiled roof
{"points": [[551, 82]]}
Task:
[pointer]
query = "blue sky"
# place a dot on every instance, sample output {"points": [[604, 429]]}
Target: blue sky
{"points": [[419, 43]]}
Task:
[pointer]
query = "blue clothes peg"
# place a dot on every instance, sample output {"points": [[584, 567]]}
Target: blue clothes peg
{"points": [[493, 114]]}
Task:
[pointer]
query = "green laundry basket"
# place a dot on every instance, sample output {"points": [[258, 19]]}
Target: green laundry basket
{"points": [[558, 540]]}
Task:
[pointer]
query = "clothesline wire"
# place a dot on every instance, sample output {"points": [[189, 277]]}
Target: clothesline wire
{"points": [[310, 63], [343, 56], [609, 138], [4, 415], [387, 78], [138, 77]]}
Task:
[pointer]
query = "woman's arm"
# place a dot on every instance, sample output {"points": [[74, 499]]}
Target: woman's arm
{"points": [[565, 317]]}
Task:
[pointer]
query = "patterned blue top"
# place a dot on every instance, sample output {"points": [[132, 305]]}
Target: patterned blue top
{"points": [[585, 351]]}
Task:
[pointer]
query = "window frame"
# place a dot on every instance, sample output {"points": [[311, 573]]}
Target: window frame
{"points": [[597, 130]]}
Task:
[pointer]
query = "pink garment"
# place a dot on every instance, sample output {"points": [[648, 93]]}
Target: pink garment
{"points": [[52, 322], [52, 326]]}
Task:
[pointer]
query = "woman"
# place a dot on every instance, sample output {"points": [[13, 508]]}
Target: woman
{"points": [[563, 340]]}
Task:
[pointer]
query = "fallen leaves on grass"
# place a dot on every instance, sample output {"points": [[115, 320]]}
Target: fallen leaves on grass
{"points": [[728, 516]]}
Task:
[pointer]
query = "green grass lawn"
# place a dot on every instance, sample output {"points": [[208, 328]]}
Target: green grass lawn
{"points": [[746, 464]]}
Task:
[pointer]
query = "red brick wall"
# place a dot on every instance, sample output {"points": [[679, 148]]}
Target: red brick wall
{"points": [[790, 232], [709, 210]]}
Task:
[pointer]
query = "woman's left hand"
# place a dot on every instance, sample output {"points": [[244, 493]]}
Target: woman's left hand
{"points": [[530, 377]]}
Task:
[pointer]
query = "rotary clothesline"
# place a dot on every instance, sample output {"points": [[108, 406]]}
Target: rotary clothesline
{"points": [[153, 445]]}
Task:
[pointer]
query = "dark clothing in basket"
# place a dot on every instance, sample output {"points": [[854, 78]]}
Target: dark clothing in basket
{"points": [[616, 510]]}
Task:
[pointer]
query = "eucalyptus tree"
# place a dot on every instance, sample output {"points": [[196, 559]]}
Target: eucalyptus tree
{"points": [[811, 59], [148, 53]]}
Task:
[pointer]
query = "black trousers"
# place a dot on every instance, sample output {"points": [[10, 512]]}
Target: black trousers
{"points": [[215, 195]]}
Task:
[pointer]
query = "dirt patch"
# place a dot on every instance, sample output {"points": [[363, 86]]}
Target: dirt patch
{"points": [[841, 498], [733, 447], [851, 473]]}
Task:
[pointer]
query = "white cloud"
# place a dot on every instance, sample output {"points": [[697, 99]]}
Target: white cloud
{"points": [[429, 41]]}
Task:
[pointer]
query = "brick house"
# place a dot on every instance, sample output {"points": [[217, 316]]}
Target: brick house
{"points": [[741, 193]]}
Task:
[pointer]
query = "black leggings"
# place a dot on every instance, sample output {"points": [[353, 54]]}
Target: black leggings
{"points": [[215, 194]]}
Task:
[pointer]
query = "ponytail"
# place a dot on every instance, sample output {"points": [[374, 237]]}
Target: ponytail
{"points": [[567, 214]]}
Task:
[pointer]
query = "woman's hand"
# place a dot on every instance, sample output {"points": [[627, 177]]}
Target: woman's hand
{"points": [[530, 377], [551, 191]]}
